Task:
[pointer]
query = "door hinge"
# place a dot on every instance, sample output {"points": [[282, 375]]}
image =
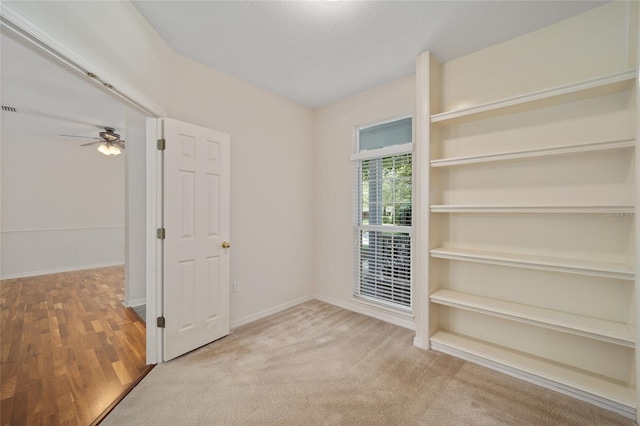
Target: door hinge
{"points": [[160, 322], [162, 144], [160, 233]]}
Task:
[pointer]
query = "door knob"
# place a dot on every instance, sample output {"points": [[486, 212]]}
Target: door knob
{"points": [[226, 244]]}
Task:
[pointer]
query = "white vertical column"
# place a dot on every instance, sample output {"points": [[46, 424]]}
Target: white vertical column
{"points": [[634, 61], [427, 75]]}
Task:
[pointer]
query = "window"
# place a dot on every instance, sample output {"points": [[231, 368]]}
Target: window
{"points": [[383, 206]]}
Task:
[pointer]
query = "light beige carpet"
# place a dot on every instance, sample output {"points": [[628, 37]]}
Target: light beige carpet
{"points": [[316, 364]]}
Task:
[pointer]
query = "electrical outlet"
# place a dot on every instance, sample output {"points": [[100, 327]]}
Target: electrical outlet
{"points": [[236, 286], [331, 271], [77, 249]]}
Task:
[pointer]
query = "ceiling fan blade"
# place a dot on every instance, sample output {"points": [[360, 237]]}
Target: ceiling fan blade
{"points": [[120, 144], [76, 136], [91, 143]]}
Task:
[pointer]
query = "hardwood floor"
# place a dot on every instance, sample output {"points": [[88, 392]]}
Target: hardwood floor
{"points": [[68, 346]]}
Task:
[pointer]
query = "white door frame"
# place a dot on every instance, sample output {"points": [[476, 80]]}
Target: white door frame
{"points": [[19, 27], [154, 245]]}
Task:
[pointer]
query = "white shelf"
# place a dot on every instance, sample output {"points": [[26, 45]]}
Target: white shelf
{"points": [[595, 328], [614, 210], [597, 389], [612, 83], [575, 266], [532, 153]]}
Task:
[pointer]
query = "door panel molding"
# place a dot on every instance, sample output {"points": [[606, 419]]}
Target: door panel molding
{"points": [[196, 204]]}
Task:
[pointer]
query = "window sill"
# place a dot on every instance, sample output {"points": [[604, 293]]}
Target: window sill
{"points": [[401, 311]]}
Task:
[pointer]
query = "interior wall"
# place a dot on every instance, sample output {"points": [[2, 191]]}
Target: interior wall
{"points": [[549, 57], [139, 59], [62, 205], [335, 128], [271, 184], [271, 139]]}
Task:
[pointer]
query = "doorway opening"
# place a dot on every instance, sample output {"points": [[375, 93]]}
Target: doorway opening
{"points": [[73, 244]]}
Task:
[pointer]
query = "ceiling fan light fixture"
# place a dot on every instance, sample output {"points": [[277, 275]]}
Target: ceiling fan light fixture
{"points": [[109, 149], [114, 150], [110, 142], [103, 148]]}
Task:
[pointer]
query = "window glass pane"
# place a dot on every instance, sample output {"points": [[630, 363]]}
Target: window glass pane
{"points": [[403, 214], [388, 134], [402, 190], [386, 191]]}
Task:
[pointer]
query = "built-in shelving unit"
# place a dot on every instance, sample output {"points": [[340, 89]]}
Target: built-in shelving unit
{"points": [[533, 153], [608, 210], [595, 328], [546, 182], [599, 86], [548, 263], [597, 389]]}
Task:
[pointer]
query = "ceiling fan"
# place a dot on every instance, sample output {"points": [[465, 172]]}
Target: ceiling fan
{"points": [[109, 140]]}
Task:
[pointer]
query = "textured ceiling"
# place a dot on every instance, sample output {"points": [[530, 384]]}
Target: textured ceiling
{"points": [[316, 52]]}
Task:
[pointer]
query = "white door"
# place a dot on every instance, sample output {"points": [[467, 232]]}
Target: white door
{"points": [[196, 222]]}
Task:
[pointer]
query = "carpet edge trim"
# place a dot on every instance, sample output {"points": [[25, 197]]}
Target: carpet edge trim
{"points": [[122, 395]]}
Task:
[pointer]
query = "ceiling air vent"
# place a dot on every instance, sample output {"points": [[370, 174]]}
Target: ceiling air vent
{"points": [[9, 109]]}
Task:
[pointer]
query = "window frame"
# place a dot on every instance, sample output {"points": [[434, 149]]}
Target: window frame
{"points": [[357, 158], [358, 155]]}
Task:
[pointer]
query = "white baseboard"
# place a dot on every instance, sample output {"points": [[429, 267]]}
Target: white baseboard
{"points": [[368, 309], [135, 302], [262, 314], [419, 343], [58, 270]]}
